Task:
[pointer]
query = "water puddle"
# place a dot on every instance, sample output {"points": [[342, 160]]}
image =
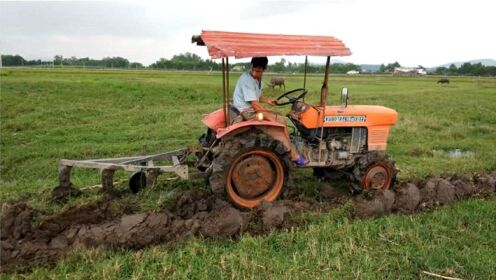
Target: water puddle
{"points": [[455, 153]]}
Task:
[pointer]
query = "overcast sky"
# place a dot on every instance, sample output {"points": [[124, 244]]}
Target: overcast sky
{"points": [[420, 32]]}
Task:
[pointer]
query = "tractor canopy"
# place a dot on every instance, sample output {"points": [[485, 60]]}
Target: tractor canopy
{"points": [[222, 44]]}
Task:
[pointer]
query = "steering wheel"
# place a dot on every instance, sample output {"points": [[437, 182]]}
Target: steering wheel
{"points": [[292, 96]]}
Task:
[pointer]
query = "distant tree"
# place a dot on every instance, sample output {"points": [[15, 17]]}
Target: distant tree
{"points": [[343, 67], [388, 68], [186, 61], [279, 66], [478, 70], [241, 65], [35, 62], [13, 60], [382, 69], [441, 71], [491, 71], [162, 63], [71, 61], [115, 62], [452, 70], [58, 59], [135, 65], [465, 69]]}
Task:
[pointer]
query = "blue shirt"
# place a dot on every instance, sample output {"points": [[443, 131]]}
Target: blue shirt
{"points": [[247, 89]]}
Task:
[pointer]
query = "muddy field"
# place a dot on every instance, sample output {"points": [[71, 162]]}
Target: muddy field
{"points": [[198, 213]]}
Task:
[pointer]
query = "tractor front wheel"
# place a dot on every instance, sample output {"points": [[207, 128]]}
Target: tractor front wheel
{"points": [[373, 171]]}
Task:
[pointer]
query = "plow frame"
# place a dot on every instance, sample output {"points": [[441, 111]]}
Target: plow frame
{"points": [[144, 163]]}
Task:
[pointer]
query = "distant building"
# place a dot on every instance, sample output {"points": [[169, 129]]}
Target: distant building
{"points": [[238, 68], [409, 71], [352, 72]]}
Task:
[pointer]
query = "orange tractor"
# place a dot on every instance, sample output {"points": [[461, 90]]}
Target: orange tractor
{"points": [[249, 160]]}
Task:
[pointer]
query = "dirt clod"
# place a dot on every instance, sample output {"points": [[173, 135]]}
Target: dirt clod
{"points": [[380, 204], [464, 186], [225, 221], [485, 184], [445, 192], [436, 191], [62, 193], [428, 193], [191, 202], [16, 221], [330, 193], [275, 216], [407, 198]]}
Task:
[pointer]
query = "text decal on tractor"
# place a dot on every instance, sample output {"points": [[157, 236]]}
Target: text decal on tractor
{"points": [[345, 119]]}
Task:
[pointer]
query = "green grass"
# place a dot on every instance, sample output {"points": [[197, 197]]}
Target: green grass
{"points": [[46, 115]]}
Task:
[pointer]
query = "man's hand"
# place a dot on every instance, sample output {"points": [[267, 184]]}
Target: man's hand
{"points": [[269, 101], [272, 102], [259, 109]]}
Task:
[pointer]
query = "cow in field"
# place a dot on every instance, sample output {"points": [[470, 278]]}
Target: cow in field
{"points": [[277, 81], [443, 81]]}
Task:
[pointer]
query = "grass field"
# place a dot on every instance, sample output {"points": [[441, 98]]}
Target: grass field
{"points": [[51, 114]]}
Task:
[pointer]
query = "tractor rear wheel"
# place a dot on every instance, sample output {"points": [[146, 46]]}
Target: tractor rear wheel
{"points": [[251, 168], [373, 171]]}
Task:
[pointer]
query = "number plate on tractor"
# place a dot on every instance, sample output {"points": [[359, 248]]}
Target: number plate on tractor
{"points": [[345, 119]]}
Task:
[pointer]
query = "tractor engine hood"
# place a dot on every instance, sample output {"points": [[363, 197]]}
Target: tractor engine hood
{"points": [[350, 116]]}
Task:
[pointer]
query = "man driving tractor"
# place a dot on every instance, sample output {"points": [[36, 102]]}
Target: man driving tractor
{"points": [[247, 101]]}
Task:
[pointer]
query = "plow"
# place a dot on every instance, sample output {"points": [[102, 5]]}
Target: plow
{"points": [[145, 172], [249, 161]]}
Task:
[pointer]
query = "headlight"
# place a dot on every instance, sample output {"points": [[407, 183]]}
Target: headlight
{"points": [[260, 116]]}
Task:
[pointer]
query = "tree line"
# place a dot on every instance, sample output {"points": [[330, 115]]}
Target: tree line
{"points": [[190, 61], [469, 69], [58, 60]]}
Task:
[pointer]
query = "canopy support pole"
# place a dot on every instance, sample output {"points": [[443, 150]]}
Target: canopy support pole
{"points": [[323, 102], [305, 76], [324, 89], [228, 94], [224, 94]]}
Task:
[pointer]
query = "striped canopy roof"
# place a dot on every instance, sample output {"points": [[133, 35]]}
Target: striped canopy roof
{"points": [[239, 45]]}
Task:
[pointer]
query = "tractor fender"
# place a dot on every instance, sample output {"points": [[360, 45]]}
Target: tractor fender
{"points": [[230, 130], [275, 129], [215, 120]]}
